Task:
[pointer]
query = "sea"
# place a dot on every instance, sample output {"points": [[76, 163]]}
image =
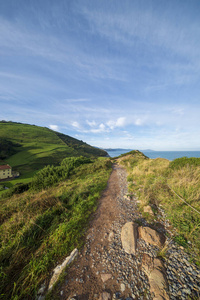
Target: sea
{"points": [[170, 155]]}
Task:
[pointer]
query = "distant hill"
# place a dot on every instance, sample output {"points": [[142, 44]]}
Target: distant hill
{"points": [[28, 148]]}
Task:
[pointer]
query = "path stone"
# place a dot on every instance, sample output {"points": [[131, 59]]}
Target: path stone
{"points": [[105, 296], [148, 209], [111, 236], [105, 277], [155, 271], [151, 236], [129, 237], [123, 287], [58, 270]]}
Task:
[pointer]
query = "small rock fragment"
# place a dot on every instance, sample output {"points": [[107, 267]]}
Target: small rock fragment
{"points": [[148, 209], [123, 287], [105, 277], [105, 296]]}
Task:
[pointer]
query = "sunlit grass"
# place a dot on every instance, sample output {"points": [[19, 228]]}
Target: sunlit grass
{"points": [[38, 229], [158, 182]]}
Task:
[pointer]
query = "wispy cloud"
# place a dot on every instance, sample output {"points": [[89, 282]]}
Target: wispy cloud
{"points": [[124, 73], [120, 122], [101, 128], [76, 125], [54, 127], [91, 123]]}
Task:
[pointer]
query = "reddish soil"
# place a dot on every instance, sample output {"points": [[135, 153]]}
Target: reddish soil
{"points": [[83, 278]]}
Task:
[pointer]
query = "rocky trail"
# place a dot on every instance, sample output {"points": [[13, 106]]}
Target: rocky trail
{"points": [[120, 258]]}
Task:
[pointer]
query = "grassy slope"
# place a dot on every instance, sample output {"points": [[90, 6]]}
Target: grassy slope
{"points": [[38, 229], [153, 180], [40, 146]]}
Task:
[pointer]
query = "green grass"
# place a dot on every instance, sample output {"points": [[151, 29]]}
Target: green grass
{"points": [[155, 181], [39, 229], [37, 147]]}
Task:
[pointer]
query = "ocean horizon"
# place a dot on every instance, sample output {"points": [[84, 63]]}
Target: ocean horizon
{"points": [[170, 155]]}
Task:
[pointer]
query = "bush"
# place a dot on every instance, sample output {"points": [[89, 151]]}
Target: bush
{"points": [[183, 162], [20, 188], [50, 175]]}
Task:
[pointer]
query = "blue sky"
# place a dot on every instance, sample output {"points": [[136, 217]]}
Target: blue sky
{"points": [[111, 73]]}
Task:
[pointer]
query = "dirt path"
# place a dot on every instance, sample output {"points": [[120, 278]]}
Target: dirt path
{"points": [[103, 265], [103, 270]]}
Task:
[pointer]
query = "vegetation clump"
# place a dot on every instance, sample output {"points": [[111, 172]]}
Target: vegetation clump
{"points": [[175, 186]]}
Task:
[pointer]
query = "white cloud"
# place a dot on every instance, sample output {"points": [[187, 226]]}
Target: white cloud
{"points": [[91, 123], [54, 127], [138, 122], [111, 124], [120, 122], [76, 125], [101, 128]]}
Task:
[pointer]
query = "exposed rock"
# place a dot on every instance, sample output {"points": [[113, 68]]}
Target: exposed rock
{"points": [[129, 237], [151, 236], [127, 197], [72, 297], [110, 236], [105, 277], [58, 270], [105, 296], [42, 289], [155, 271], [123, 287], [148, 209], [102, 256]]}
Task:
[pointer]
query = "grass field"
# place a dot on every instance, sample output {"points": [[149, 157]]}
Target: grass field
{"points": [[38, 228], [38, 147], [161, 182]]}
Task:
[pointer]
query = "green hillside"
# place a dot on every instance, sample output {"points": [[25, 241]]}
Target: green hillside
{"points": [[41, 226], [175, 187], [32, 147]]}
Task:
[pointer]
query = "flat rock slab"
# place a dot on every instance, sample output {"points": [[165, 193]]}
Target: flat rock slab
{"points": [[58, 270], [151, 236], [105, 296], [105, 277], [155, 271], [129, 237]]}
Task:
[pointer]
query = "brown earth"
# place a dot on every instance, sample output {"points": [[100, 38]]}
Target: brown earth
{"points": [[100, 228]]}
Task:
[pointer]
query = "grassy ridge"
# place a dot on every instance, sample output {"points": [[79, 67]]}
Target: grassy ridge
{"points": [[155, 181], [37, 229], [32, 147]]}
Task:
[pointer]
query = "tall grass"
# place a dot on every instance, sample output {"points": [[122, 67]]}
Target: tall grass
{"points": [[158, 182], [40, 228]]}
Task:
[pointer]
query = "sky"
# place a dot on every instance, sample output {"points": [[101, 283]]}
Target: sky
{"points": [[115, 74]]}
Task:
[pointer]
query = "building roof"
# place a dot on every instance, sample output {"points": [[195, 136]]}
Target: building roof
{"points": [[4, 167]]}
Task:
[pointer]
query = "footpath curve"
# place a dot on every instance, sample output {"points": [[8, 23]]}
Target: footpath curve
{"points": [[103, 270]]}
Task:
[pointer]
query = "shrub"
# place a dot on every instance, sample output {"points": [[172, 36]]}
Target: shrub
{"points": [[183, 162], [50, 175]]}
